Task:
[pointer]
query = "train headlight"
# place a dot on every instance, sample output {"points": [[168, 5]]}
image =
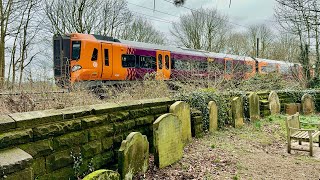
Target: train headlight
{"points": [[76, 68]]}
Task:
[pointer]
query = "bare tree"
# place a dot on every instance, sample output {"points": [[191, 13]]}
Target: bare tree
{"points": [[6, 8], [202, 29], [143, 31], [301, 18]]}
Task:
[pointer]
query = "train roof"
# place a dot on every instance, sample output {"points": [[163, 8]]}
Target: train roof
{"points": [[185, 50]]}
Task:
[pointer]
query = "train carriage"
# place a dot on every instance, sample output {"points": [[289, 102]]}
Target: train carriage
{"points": [[86, 58]]}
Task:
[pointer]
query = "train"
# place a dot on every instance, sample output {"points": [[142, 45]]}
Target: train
{"points": [[103, 60]]}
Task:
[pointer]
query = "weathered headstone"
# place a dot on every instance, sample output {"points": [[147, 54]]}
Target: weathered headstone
{"points": [[292, 108], [133, 155], [237, 112], [254, 107], [167, 140], [103, 174], [307, 102], [213, 116], [274, 103], [182, 111]]}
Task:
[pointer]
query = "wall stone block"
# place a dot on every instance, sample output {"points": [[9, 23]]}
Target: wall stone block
{"points": [[15, 138]]}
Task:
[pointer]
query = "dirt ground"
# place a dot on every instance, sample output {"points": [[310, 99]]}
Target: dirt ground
{"points": [[256, 151]]}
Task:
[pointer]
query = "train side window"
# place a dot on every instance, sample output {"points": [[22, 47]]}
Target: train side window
{"points": [[128, 60], [106, 57], [153, 62], [228, 67], [172, 63], [160, 61], [143, 62], [249, 68], [167, 62], [94, 54]]}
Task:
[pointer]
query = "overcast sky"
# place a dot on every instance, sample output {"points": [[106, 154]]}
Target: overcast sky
{"points": [[243, 12]]}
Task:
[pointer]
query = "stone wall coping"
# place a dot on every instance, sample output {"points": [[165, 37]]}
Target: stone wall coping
{"points": [[8, 164]]}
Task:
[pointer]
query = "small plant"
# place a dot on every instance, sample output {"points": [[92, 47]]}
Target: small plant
{"points": [[236, 177], [77, 162], [213, 146], [257, 125]]}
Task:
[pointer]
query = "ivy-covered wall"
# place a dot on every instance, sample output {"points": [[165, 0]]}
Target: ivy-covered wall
{"points": [[68, 143]]}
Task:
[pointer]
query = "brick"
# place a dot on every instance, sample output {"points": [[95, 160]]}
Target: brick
{"points": [[144, 120], [90, 149], [92, 121], [139, 113], [56, 129], [39, 148], [159, 109], [15, 138], [119, 116], [26, 174], [70, 140], [6, 123], [13, 160], [107, 143], [64, 173], [103, 159], [60, 159], [39, 166], [100, 132]]}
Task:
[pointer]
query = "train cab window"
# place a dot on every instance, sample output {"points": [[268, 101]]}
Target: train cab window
{"points": [[160, 61], [106, 57], [128, 60], [228, 67], [94, 54], [167, 62], [76, 49]]}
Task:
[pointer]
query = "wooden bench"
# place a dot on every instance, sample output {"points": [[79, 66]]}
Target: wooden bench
{"points": [[294, 132]]}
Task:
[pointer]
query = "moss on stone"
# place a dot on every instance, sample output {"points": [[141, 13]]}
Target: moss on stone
{"points": [[103, 175], [15, 138], [38, 148], [100, 132], [56, 129], [70, 140], [90, 149]]}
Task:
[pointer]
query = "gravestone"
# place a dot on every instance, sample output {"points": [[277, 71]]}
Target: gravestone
{"points": [[254, 107], [237, 112], [133, 155], [167, 140], [182, 111], [103, 174], [213, 116], [274, 103], [292, 108], [307, 103]]}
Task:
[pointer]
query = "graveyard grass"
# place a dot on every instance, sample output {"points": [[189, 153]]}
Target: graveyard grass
{"points": [[255, 151]]}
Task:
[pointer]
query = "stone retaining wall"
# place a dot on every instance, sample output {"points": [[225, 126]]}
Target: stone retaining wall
{"points": [[46, 144]]}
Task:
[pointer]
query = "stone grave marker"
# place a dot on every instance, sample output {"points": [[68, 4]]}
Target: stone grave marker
{"points": [[237, 112], [133, 155], [103, 174], [167, 140], [182, 111], [213, 116], [307, 103], [254, 106], [274, 103]]}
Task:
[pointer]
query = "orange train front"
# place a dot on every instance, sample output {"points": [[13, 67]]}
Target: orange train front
{"points": [[101, 59]]}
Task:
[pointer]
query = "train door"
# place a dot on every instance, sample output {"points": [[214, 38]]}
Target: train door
{"points": [[228, 68], [107, 62], [163, 65], [250, 69]]}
